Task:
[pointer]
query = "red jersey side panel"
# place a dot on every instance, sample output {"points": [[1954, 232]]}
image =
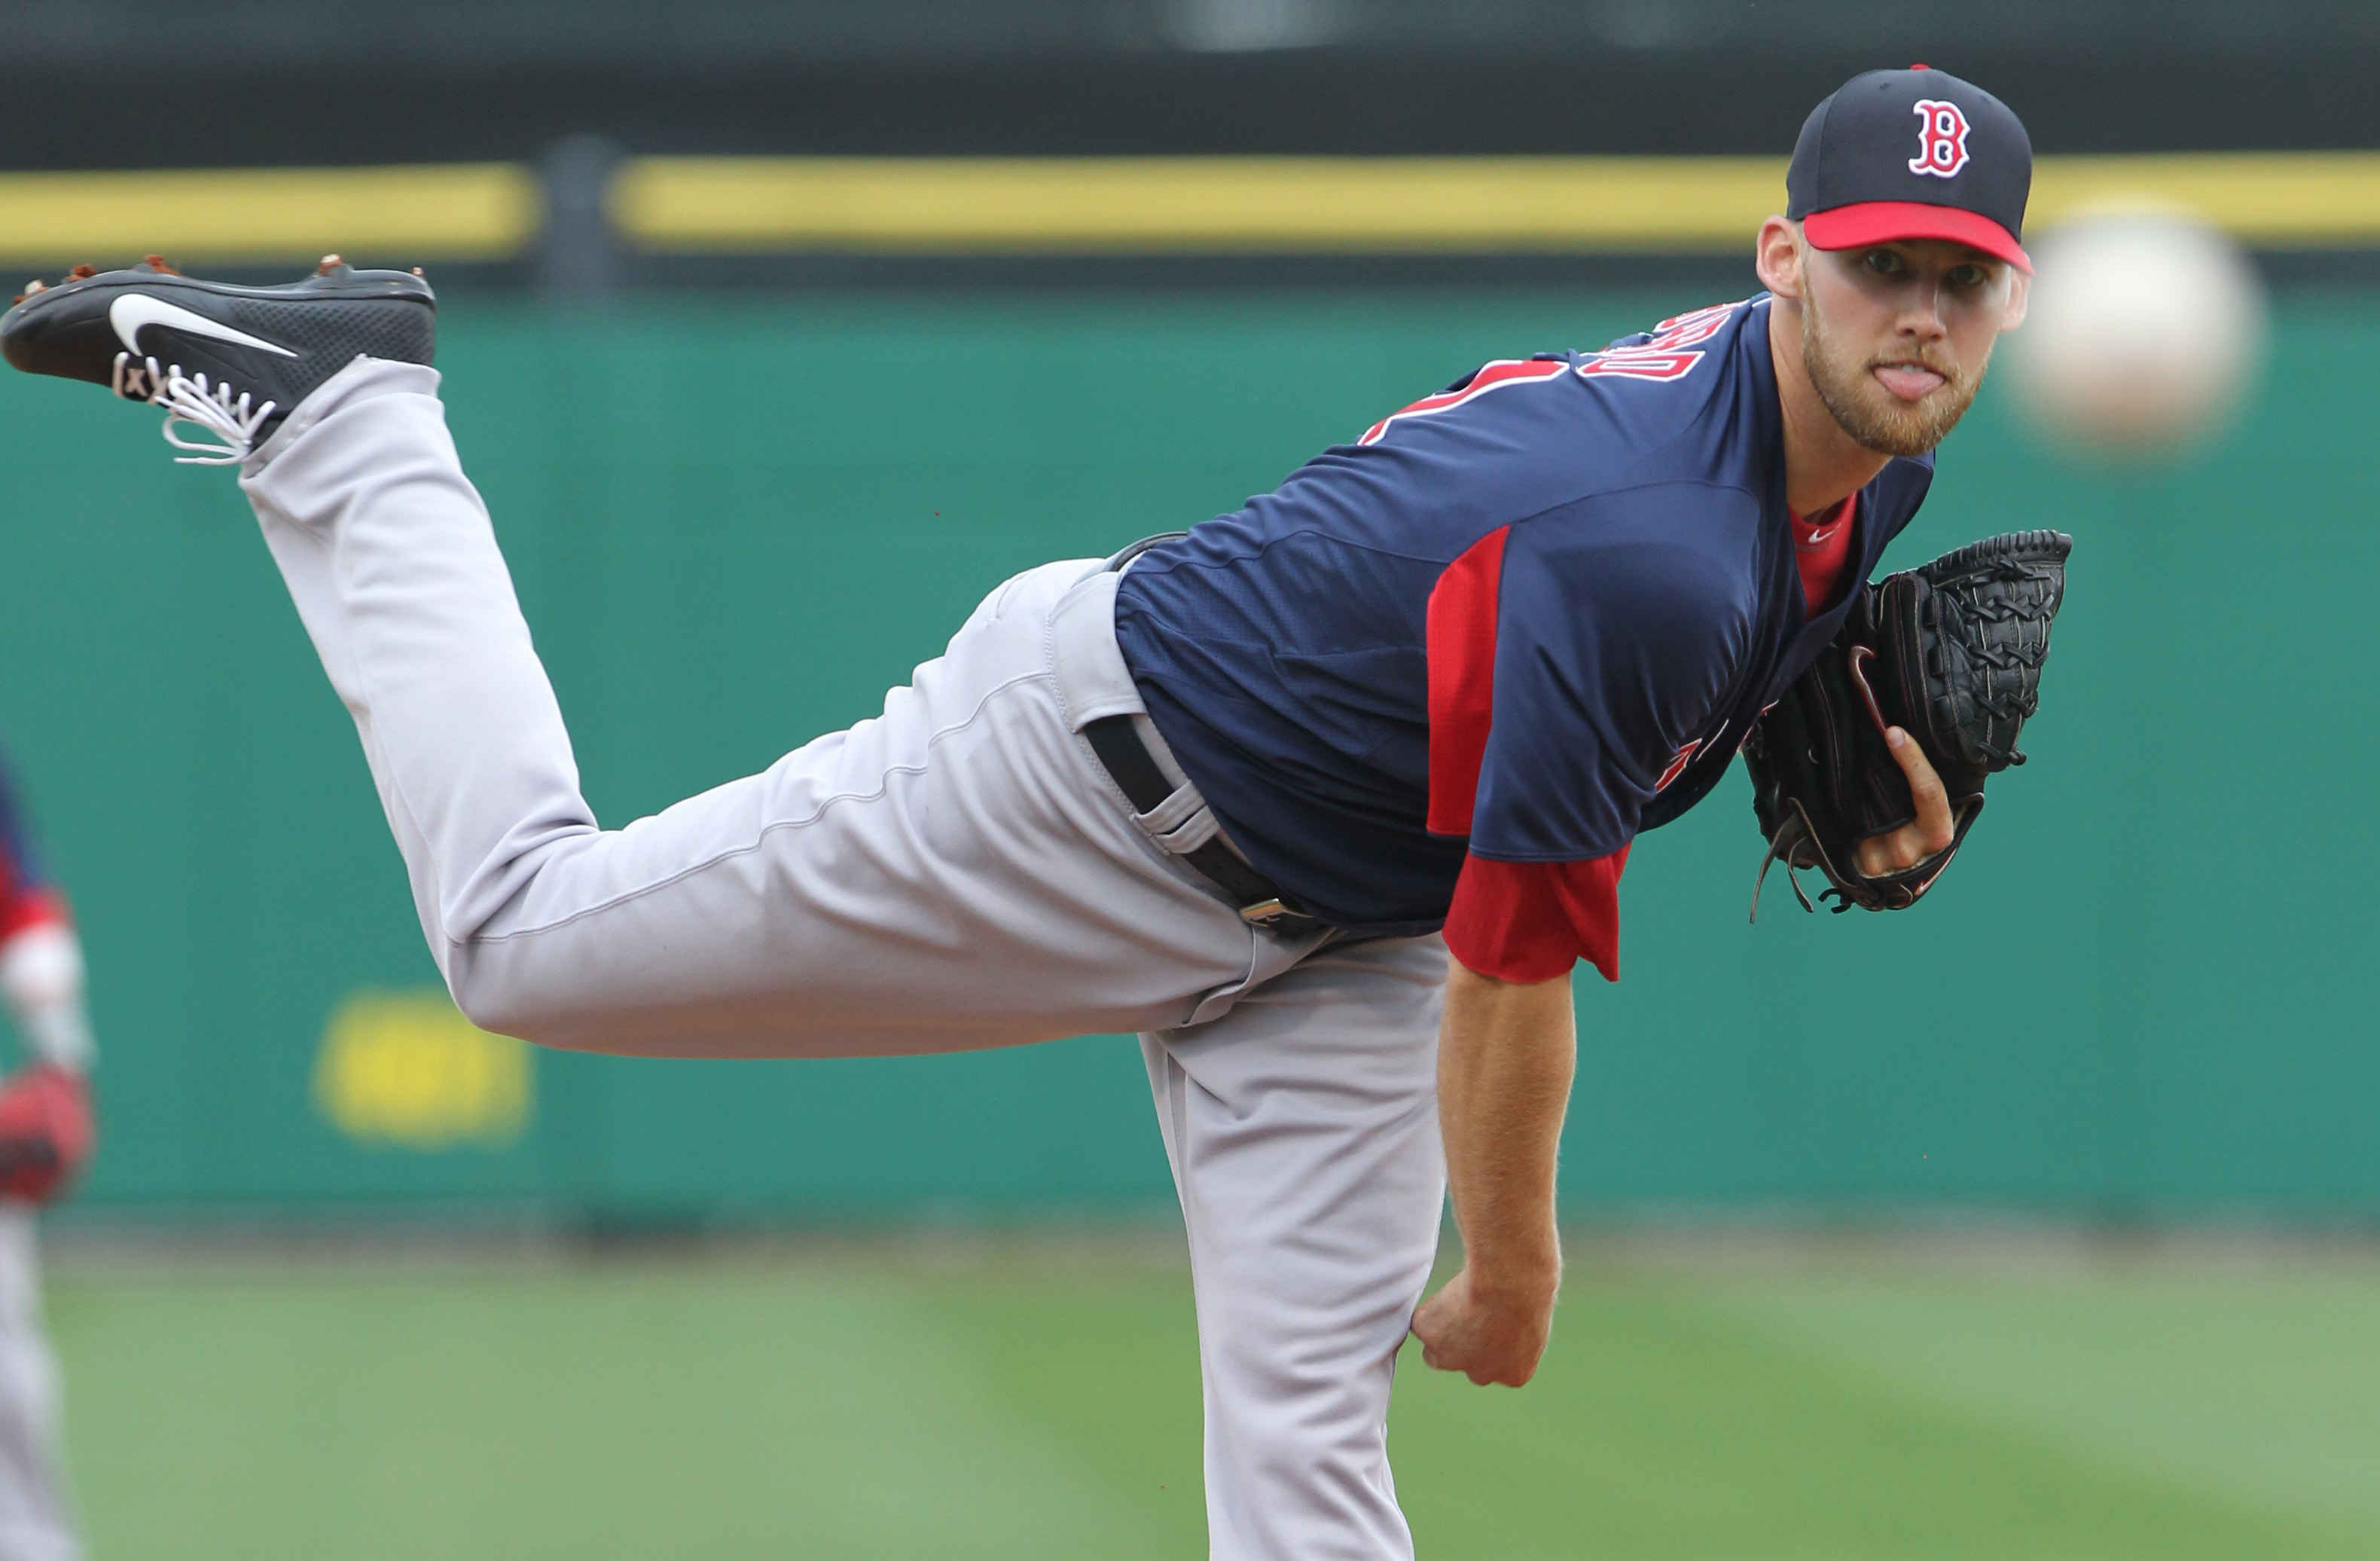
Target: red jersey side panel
{"points": [[1461, 653]]}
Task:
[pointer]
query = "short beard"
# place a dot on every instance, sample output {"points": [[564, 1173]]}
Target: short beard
{"points": [[1874, 418]]}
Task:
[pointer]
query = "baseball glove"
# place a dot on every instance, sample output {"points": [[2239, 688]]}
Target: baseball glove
{"points": [[1951, 653], [46, 1135]]}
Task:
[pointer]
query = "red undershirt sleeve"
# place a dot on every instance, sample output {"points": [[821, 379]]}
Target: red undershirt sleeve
{"points": [[1530, 922], [22, 908]]}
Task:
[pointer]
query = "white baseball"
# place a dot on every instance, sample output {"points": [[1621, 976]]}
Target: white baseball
{"points": [[2146, 334]]}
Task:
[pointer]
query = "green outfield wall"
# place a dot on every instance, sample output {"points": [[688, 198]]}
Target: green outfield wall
{"points": [[2145, 991]]}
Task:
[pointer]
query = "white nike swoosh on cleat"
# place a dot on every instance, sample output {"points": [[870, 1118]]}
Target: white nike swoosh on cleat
{"points": [[132, 311]]}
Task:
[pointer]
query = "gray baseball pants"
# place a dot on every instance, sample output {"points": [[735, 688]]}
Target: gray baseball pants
{"points": [[36, 1523], [958, 872]]}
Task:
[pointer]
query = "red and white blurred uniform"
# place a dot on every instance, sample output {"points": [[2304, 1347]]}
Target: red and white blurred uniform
{"points": [[46, 1136]]}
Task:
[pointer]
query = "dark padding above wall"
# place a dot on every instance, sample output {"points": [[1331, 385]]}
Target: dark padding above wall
{"points": [[104, 83]]}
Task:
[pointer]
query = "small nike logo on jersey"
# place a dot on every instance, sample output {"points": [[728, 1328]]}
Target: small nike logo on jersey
{"points": [[133, 311], [1678, 765], [1818, 538]]}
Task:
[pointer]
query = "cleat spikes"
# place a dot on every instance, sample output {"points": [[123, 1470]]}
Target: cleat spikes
{"points": [[330, 263], [82, 272]]}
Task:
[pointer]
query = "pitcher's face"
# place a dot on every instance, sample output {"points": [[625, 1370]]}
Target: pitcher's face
{"points": [[1896, 336]]}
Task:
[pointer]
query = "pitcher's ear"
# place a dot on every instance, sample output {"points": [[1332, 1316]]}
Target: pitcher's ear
{"points": [[1777, 256], [2019, 300]]}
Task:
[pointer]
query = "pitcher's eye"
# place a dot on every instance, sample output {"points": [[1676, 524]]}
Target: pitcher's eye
{"points": [[1884, 263]]}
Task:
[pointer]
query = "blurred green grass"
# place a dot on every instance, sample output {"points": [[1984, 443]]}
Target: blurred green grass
{"points": [[1026, 1401]]}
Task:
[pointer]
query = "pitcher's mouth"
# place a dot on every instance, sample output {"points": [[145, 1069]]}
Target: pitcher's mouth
{"points": [[1909, 382]]}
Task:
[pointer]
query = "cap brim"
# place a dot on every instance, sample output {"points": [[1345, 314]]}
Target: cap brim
{"points": [[1885, 222]]}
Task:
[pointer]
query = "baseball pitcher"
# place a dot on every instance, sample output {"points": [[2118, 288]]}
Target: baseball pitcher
{"points": [[1324, 797]]}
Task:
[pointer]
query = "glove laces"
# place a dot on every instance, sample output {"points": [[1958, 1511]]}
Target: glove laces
{"points": [[191, 400]]}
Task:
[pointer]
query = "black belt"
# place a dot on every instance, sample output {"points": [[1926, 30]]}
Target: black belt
{"points": [[1138, 776]]}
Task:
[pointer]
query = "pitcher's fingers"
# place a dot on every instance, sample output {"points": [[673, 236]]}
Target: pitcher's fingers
{"points": [[1934, 831], [1424, 1327], [1890, 852]]}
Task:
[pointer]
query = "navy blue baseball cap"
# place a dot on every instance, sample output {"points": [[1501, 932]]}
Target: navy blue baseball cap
{"points": [[1914, 153]]}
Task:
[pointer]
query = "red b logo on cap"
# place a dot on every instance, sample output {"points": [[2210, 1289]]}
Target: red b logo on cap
{"points": [[1941, 139]]}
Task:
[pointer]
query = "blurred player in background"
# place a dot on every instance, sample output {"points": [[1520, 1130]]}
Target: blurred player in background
{"points": [[45, 1139]]}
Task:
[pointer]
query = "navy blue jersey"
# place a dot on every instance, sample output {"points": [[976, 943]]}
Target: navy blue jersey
{"points": [[1524, 618], [27, 896]]}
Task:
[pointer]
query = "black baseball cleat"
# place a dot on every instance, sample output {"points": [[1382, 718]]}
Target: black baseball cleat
{"points": [[231, 360]]}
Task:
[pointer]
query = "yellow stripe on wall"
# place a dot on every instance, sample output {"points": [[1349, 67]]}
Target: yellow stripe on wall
{"points": [[1222, 205], [1093, 206], [471, 210], [2281, 201], [1192, 205]]}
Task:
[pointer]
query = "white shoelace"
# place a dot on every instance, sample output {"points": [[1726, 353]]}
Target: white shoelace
{"points": [[189, 398]]}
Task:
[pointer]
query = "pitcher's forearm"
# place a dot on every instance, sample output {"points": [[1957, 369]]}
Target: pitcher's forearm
{"points": [[1506, 1057]]}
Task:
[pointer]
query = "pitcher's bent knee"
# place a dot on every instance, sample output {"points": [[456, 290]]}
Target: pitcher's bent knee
{"points": [[497, 1000]]}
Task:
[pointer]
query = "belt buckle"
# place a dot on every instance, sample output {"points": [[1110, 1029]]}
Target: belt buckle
{"points": [[1268, 914]]}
